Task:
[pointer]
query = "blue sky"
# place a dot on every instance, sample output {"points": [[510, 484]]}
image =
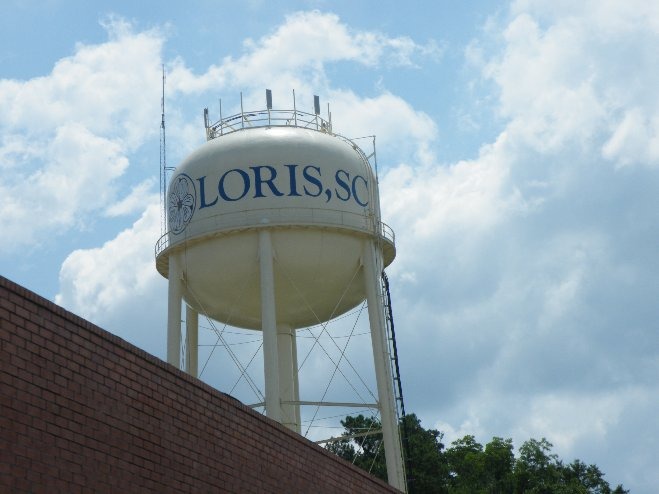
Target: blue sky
{"points": [[518, 151]]}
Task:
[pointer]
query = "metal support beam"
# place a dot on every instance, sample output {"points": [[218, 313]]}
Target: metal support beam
{"points": [[342, 404], [287, 377], [350, 436], [174, 298], [269, 327], [192, 341], [296, 386], [372, 263]]}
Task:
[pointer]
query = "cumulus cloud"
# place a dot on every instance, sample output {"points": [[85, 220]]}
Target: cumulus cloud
{"points": [[96, 281], [134, 202], [567, 76], [67, 136], [77, 178], [525, 275], [634, 139], [400, 128], [295, 54], [116, 285]]}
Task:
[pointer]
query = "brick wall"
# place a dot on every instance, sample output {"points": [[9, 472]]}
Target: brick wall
{"points": [[82, 410]]}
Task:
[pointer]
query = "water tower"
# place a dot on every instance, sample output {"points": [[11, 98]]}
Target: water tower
{"points": [[274, 225]]}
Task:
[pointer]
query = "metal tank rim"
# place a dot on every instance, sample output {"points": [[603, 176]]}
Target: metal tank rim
{"points": [[385, 237]]}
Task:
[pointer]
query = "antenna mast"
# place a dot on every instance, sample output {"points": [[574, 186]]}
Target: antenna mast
{"points": [[163, 160]]}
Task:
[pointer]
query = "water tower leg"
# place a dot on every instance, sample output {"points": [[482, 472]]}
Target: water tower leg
{"points": [[175, 296], [269, 327], [372, 261], [296, 386], [192, 341], [287, 375]]}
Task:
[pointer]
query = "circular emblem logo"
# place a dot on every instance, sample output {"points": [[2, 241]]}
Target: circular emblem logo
{"points": [[181, 203]]}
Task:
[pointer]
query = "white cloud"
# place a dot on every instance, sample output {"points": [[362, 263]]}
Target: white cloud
{"points": [[76, 179], [567, 76], [611, 16], [404, 132], [139, 195], [430, 201], [635, 139], [522, 273], [111, 283], [67, 135], [295, 53], [102, 87], [97, 281], [568, 418], [15, 150]]}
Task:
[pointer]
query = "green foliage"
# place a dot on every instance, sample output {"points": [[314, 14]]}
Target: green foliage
{"points": [[467, 467], [537, 470], [426, 466], [499, 463], [363, 449]]}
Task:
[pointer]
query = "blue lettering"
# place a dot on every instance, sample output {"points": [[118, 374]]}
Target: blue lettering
{"points": [[293, 180], [235, 184], [259, 181], [246, 184], [341, 183], [312, 180], [202, 193], [354, 190]]}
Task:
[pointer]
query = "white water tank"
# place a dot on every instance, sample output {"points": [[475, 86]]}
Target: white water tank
{"points": [[314, 191]]}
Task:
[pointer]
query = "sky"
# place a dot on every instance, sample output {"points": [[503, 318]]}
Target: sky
{"points": [[518, 161]]}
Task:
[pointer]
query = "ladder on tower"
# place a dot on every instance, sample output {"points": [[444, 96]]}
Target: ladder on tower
{"points": [[395, 370]]}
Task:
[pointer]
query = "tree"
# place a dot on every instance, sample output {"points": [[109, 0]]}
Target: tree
{"points": [[361, 447], [536, 470], [466, 463], [474, 469], [466, 467], [426, 465], [427, 470], [499, 463], [588, 479]]}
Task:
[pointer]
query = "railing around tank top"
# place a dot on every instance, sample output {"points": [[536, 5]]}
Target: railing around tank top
{"points": [[280, 118], [281, 217], [266, 118]]}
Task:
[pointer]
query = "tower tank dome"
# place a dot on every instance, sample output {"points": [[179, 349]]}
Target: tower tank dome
{"points": [[315, 192]]}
